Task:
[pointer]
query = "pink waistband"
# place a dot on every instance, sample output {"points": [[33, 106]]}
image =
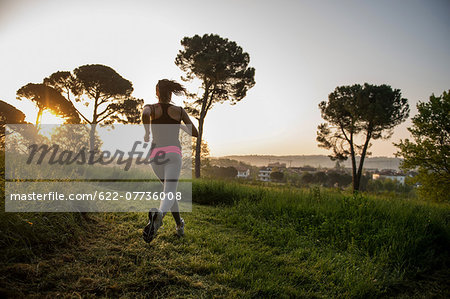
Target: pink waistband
{"points": [[165, 149]]}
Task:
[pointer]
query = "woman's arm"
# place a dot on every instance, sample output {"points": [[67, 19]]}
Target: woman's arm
{"points": [[146, 112], [189, 127]]}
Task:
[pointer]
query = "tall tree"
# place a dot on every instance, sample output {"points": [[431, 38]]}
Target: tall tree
{"points": [[64, 82], [223, 69], [104, 90], [128, 110], [354, 116], [21, 136], [9, 115], [429, 151], [48, 98]]}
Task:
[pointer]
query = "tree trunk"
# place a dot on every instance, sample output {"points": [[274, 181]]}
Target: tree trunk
{"points": [[198, 148], [201, 120], [92, 147], [355, 178], [361, 161], [355, 181], [39, 117]]}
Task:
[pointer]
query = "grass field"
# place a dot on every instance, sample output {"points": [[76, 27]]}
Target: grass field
{"points": [[240, 241]]}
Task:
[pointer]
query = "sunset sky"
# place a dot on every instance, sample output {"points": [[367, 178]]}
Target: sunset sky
{"points": [[301, 51]]}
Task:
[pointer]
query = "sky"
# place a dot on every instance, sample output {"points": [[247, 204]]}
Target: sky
{"points": [[301, 50]]}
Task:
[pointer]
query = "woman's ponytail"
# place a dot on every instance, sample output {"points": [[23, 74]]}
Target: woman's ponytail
{"points": [[167, 87]]}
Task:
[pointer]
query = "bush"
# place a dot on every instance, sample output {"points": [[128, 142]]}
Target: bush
{"points": [[326, 179], [220, 172], [277, 176], [215, 192], [388, 185]]}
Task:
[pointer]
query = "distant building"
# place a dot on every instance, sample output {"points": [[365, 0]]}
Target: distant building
{"points": [[243, 172], [389, 174], [264, 174]]}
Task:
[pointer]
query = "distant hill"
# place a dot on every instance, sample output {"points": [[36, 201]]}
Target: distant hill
{"points": [[313, 160]]}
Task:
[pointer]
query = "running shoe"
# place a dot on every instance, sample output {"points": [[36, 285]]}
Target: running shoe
{"points": [[180, 229], [154, 223]]}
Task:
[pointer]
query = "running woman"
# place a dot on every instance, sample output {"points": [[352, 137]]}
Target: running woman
{"points": [[165, 141]]}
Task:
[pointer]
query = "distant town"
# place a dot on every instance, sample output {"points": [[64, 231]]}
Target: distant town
{"points": [[317, 161], [305, 169]]}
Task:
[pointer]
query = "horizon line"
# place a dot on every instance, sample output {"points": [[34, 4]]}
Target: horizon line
{"points": [[293, 155]]}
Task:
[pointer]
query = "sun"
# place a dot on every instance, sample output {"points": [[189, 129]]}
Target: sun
{"points": [[48, 117], [49, 122]]}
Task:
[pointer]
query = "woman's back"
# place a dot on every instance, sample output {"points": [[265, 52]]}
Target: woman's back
{"points": [[165, 113], [165, 124]]}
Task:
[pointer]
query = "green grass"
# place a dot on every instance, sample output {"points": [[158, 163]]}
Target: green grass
{"points": [[370, 244], [241, 241]]}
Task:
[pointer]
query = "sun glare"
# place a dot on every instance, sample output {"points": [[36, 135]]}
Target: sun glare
{"points": [[49, 117], [49, 123]]}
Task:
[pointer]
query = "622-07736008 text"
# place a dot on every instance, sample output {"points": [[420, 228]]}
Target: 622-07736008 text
{"points": [[103, 195]]}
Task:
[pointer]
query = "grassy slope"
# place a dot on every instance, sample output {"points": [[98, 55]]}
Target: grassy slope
{"points": [[111, 259], [270, 243]]}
